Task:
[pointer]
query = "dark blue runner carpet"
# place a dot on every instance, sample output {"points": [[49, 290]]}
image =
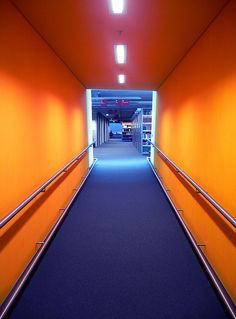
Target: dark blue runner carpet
{"points": [[120, 253]]}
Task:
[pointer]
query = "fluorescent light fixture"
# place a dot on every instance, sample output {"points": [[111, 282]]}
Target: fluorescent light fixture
{"points": [[154, 112], [94, 125], [121, 78], [120, 53], [89, 124], [118, 6]]}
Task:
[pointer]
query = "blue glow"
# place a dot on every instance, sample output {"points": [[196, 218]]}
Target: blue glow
{"points": [[127, 163], [115, 128]]}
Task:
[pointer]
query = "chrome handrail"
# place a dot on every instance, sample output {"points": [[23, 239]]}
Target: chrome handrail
{"points": [[41, 189], [225, 297], [201, 191], [25, 276]]}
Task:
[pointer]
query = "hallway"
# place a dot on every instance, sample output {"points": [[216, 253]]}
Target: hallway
{"points": [[120, 253]]}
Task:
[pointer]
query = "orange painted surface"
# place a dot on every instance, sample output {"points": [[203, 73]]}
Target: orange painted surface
{"points": [[157, 33], [43, 126], [196, 129]]}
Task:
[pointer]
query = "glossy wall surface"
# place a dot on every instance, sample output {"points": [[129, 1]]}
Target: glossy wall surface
{"points": [[196, 129], [43, 126]]}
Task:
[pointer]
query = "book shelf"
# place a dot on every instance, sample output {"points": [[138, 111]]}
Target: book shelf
{"points": [[142, 129], [146, 131], [127, 131], [136, 129]]}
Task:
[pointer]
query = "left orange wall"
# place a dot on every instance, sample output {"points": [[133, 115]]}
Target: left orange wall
{"points": [[42, 127]]}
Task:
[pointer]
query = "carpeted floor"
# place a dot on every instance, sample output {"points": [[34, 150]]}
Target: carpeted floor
{"points": [[120, 253]]}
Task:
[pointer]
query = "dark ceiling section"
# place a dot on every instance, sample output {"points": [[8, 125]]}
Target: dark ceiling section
{"points": [[120, 105]]}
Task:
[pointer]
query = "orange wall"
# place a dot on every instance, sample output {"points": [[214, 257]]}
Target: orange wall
{"points": [[42, 127], [196, 128]]}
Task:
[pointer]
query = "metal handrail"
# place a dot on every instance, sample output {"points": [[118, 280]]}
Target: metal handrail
{"points": [[26, 274], [211, 200], [225, 297], [41, 189]]}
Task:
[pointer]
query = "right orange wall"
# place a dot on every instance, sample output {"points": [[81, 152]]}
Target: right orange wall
{"points": [[196, 128]]}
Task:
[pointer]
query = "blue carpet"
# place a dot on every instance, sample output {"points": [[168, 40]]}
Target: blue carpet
{"points": [[120, 253]]}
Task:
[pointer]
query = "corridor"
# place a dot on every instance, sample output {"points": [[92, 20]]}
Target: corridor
{"points": [[120, 252], [119, 237]]}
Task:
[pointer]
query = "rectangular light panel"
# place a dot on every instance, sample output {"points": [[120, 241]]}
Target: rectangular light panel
{"points": [[118, 6], [121, 78], [120, 53]]}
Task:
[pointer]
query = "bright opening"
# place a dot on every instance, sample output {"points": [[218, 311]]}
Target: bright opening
{"points": [[121, 78], [120, 53], [124, 116], [118, 6]]}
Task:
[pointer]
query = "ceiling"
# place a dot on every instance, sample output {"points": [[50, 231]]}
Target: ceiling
{"points": [[117, 105], [158, 34]]}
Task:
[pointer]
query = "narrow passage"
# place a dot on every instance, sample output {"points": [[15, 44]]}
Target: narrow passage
{"points": [[120, 253]]}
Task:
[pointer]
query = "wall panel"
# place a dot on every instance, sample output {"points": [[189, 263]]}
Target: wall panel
{"points": [[43, 126], [196, 129]]}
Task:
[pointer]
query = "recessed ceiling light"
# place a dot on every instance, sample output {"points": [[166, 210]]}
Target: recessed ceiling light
{"points": [[118, 6], [121, 78], [120, 53]]}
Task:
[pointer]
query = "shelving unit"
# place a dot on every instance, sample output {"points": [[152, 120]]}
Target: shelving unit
{"points": [[146, 131], [136, 129], [142, 129], [127, 131]]}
